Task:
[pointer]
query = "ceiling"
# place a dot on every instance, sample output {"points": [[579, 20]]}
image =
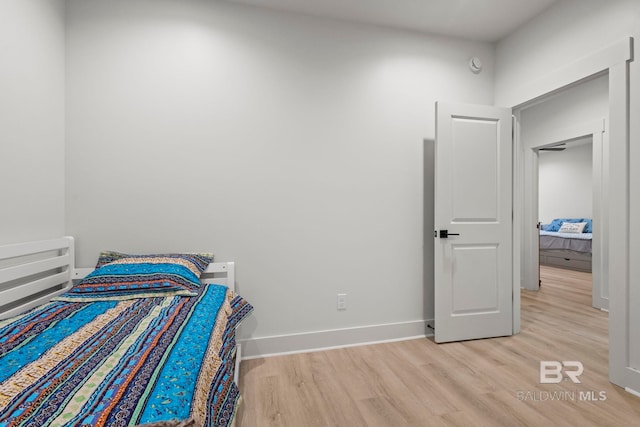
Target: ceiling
{"points": [[484, 20]]}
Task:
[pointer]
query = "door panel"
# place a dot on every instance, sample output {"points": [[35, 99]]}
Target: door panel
{"points": [[473, 201], [474, 279], [473, 168]]}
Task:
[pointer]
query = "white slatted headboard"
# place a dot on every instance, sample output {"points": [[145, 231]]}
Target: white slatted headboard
{"points": [[32, 273], [222, 273]]}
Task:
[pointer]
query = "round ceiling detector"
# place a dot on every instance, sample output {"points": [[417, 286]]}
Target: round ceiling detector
{"points": [[475, 65]]}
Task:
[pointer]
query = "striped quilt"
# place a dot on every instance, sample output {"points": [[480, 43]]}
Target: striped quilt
{"points": [[118, 363]]}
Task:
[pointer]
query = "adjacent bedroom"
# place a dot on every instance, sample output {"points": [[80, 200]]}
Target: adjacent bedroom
{"points": [[565, 190]]}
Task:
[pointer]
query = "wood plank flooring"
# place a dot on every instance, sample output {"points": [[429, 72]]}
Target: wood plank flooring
{"points": [[493, 382]]}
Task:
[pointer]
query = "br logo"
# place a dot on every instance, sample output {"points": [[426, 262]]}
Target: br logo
{"points": [[551, 371]]}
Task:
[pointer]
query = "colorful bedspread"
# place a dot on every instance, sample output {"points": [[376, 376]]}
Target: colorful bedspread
{"points": [[117, 363]]}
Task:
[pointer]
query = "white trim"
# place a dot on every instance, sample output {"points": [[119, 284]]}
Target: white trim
{"points": [[598, 62], [632, 391], [620, 329], [517, 201], [555, 136], [599, 250], [335, 338], [336, 347]]}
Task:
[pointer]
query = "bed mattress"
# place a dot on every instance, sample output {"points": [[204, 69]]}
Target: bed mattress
{"points": [[579, 242]]}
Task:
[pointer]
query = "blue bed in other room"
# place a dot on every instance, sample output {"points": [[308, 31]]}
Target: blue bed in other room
{"points": [[567, 243]]}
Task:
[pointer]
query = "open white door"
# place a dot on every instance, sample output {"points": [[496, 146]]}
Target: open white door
{"points": [[473, 222]]}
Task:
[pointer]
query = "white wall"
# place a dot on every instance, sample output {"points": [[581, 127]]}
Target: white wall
{"points": [[566, 182], [568, 31], [32, 85], [580, 104], [290, 144]]}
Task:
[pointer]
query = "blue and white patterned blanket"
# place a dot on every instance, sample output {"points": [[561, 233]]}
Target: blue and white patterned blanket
{"points": [[118, 363]]}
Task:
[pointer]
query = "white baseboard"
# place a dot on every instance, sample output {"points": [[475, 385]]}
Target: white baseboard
{"points": [[632, 391], [253, 348]]}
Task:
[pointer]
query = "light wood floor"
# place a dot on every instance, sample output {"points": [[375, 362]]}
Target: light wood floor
{"points": [[473, 383]]}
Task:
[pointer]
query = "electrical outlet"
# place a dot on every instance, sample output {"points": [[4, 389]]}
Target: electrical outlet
{"points": [[342, 301]]}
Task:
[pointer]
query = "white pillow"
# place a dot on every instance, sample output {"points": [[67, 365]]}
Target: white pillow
{"points": [[572, 227]]}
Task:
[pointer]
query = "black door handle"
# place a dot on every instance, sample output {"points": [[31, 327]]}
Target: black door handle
{"points": [[445, 233]]}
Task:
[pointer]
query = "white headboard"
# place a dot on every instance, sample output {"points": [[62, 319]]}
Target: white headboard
{"points": [[222, 273], [33, 273]]}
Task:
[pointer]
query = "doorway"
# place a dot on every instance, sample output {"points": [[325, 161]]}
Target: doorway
{"points": [[595, 132], [570, 116], [570, 187]]}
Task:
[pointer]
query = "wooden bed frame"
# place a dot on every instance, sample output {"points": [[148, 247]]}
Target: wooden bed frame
{"points": [[32, 273]]}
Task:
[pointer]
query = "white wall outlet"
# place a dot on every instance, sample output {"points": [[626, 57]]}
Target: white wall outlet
{"points": [[342, 301]]}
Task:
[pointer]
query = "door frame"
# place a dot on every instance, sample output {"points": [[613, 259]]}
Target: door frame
{"points": [[616, 60], [600, 149]]}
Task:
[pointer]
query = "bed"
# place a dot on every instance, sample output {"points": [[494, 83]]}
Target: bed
{"points": [[139, 340], [572, 249]]}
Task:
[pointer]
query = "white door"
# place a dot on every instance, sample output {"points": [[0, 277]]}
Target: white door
{"points": [[473, 203]]}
